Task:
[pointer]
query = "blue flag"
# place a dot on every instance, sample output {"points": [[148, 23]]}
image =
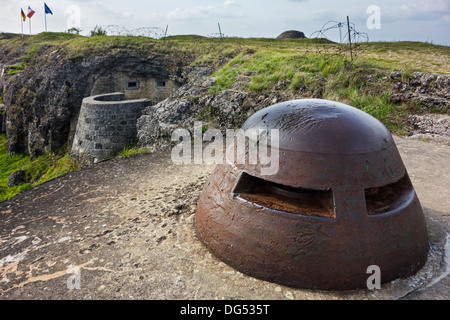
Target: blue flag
{"points": [[47, 9]]}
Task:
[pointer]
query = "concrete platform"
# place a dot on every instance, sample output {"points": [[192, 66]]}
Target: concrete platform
{"points": [[123, 229]]}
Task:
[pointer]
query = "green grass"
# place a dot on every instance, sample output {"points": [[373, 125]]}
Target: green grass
{"points": [[132, 150], [408, 55], [266, 68], [360, 84], [16, 68], [42, 169], [389, 55], [7, 166], [366, 87], [363, 83]]}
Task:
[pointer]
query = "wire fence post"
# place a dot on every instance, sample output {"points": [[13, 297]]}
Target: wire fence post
{"points": [[165, 33], [220, 32], [349, 38]]}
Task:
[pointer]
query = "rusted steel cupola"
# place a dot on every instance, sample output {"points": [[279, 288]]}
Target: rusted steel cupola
{"points": [[341, 201]]}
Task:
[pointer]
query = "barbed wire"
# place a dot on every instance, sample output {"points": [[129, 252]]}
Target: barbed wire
{"points": [[151, 32], [350, 39], [216, 35]]}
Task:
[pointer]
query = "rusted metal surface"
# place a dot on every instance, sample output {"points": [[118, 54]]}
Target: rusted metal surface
{"points": [[340, 202]]}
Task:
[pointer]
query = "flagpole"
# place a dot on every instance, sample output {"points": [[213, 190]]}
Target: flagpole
{"points": [[45, 15], [29, 19], [21, 24]]}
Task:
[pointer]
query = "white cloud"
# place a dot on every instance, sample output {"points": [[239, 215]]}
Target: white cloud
{"points": [[230, 3], [224, 10], [433, 5], [419, 10]]}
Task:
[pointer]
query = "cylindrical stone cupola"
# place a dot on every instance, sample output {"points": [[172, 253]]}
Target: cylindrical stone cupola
{"points": [[105, 125]]}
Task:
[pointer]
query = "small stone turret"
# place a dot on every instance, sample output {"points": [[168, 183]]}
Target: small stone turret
{"points": [[105, 125]]}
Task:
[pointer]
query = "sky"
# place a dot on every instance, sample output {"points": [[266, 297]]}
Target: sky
{"points": [[384, 20]]}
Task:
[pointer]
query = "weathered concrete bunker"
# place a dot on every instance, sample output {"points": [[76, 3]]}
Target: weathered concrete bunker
{"points": [[153, 87], [105, 125]]}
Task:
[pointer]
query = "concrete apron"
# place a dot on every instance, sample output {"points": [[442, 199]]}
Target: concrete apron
{"points": [[123, 229]]}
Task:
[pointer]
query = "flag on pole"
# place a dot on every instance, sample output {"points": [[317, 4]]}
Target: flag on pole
{"points": [[29, 15], [30, 12], [22, 19], [47, 9]]}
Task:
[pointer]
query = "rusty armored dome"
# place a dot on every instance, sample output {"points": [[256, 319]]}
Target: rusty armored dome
{"points": [[341, 201]]}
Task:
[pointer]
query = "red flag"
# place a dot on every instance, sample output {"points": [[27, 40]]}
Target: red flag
{"points": [[30, 12], [23, 14]]}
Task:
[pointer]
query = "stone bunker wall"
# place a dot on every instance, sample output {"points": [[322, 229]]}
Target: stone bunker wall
{"points": [[106, 123]]}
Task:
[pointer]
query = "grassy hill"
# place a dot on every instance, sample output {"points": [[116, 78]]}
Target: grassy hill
{"points": [[417, 56], [309, 67]]}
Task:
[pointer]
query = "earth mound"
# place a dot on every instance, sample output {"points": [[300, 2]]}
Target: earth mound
{"points": [[292, 34]]}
